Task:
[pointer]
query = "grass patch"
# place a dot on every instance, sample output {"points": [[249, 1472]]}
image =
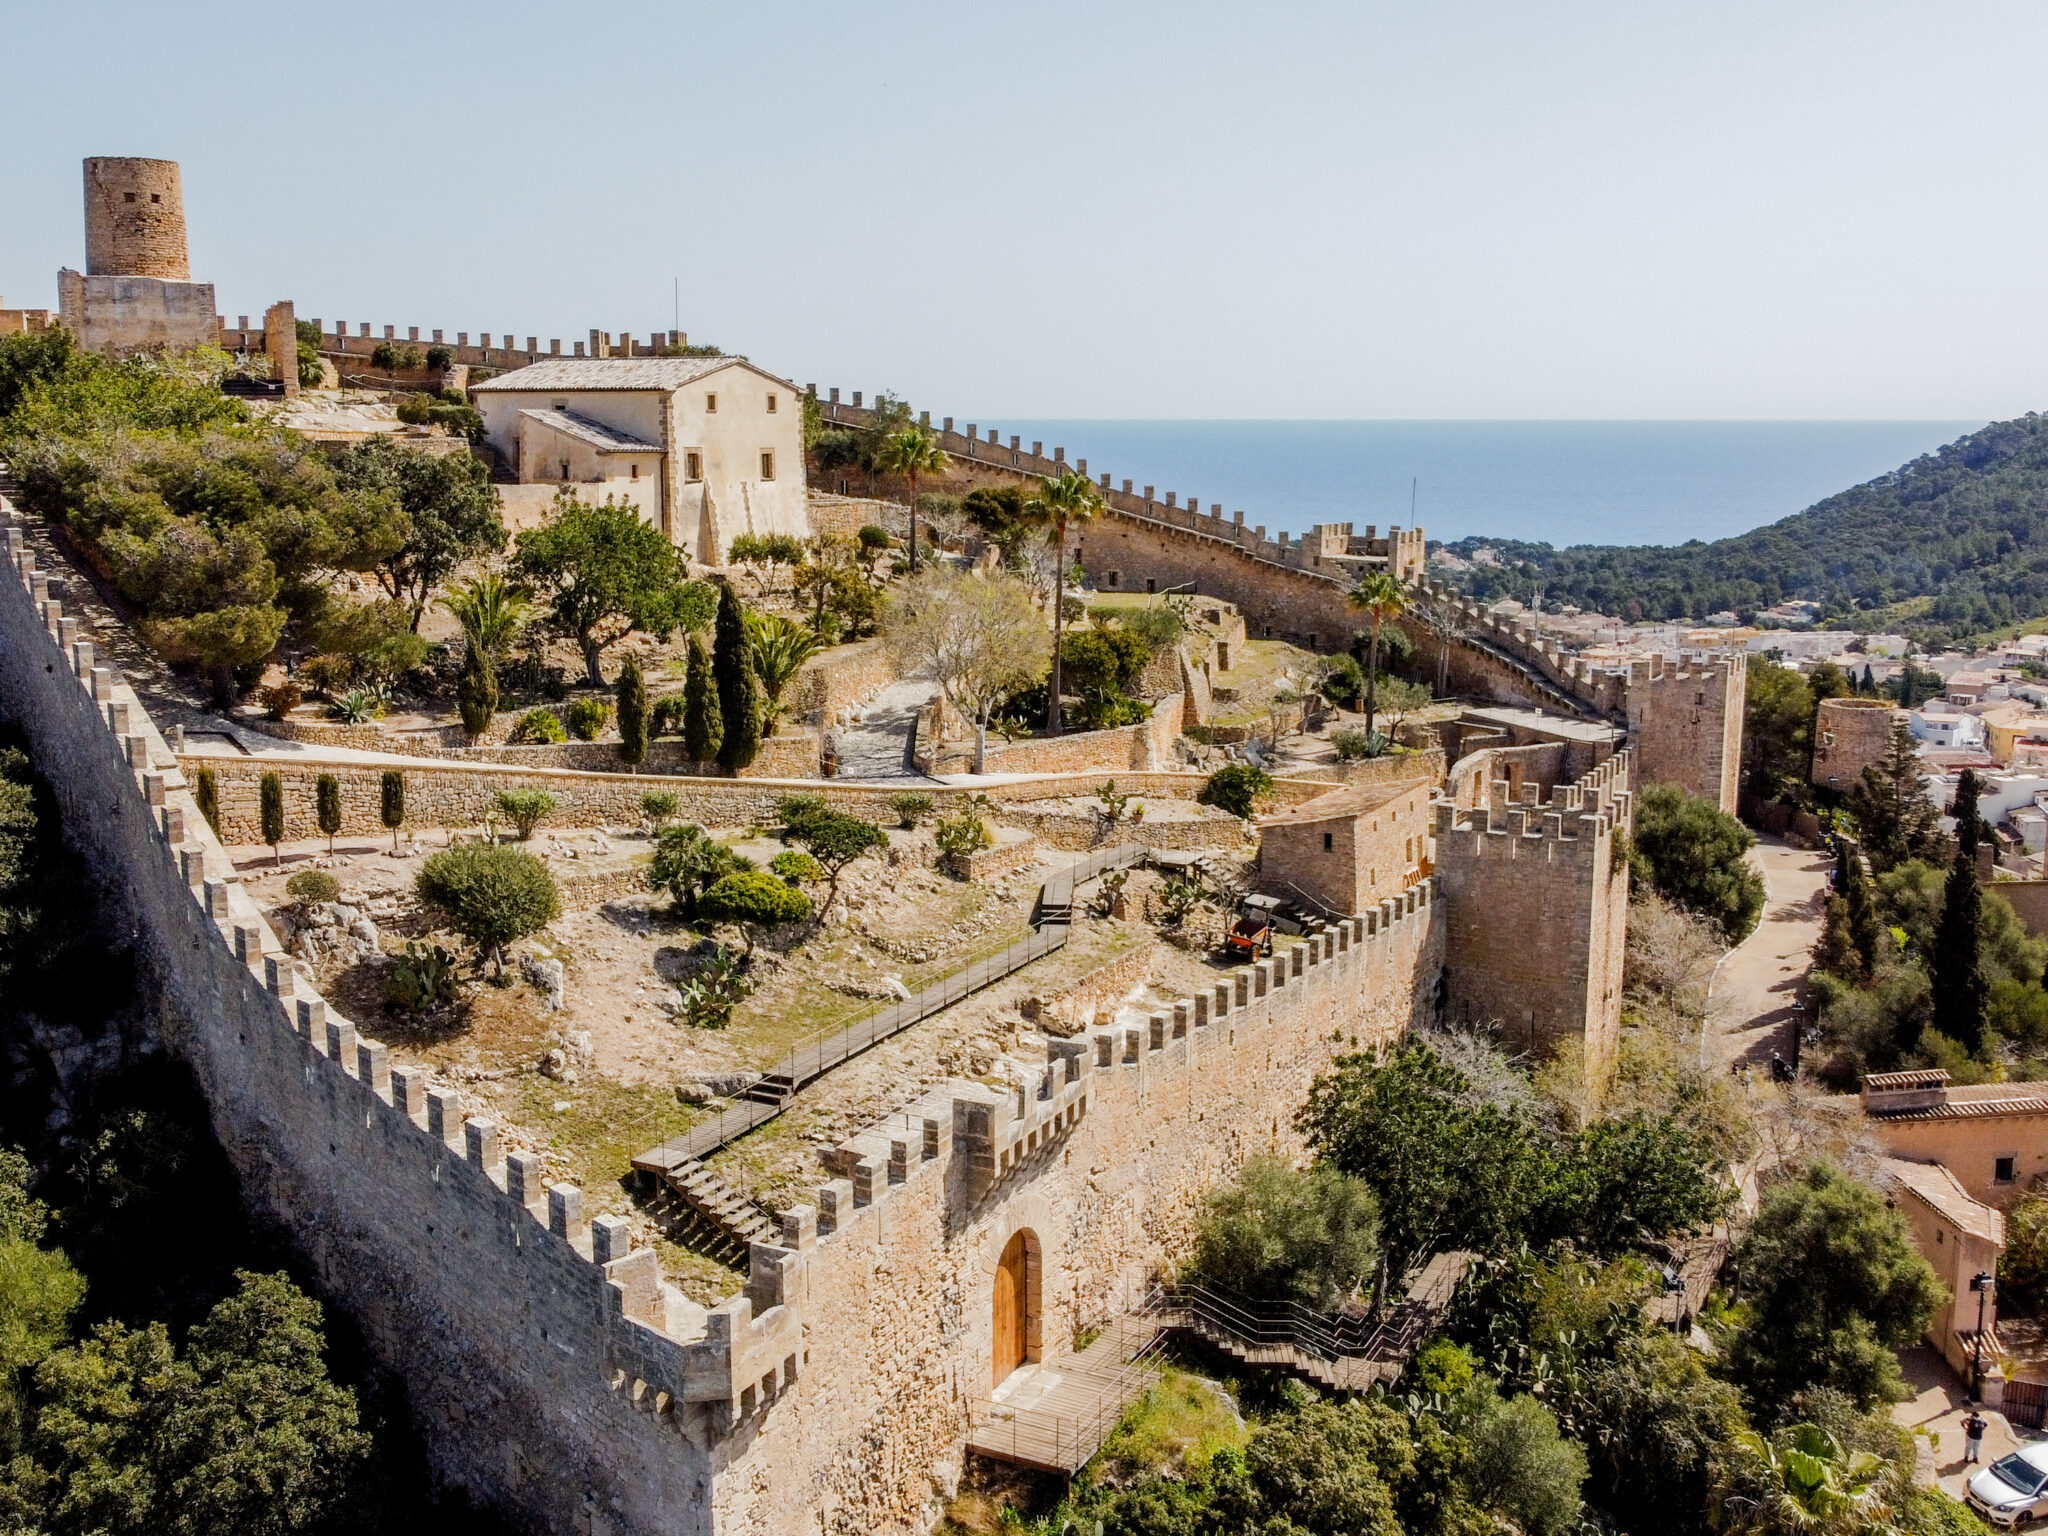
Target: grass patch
{"points": [[698, 1276], [605, 1124], [1178, 1426]]}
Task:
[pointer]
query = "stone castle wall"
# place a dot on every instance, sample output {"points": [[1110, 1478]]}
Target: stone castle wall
{"points": [[1685, 726], [1103, 1156], [486, 1291], [1536, 906]]}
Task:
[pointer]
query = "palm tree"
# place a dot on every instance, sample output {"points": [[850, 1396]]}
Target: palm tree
{"points": [[911, 451], [781, 647], [1380, 596], [1807, 1482], [1061, 499], [490, 610]]}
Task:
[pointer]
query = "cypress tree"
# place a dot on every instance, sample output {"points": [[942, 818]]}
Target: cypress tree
{"points": [[703, 729], [206, 791], [1959, 986], [1865, 931], [270, 806], [632, 697], [327, 807], [394, 803], [739, 687], [476, 691]]}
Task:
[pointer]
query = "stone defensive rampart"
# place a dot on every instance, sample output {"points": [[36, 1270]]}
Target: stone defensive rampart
{"points": [[1101, 1157], [509, 1314]]}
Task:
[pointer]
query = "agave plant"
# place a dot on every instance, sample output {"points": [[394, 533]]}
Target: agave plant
{"points": [[359, 706]]}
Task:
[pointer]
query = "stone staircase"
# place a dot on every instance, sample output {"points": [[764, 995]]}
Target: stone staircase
{"points": [[723, 1223]]}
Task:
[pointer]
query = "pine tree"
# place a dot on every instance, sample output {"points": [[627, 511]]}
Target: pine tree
{"points": [[703, 729], [1894, 818], [739, 686], [476, 691], [1958, 971], [632, 696]]}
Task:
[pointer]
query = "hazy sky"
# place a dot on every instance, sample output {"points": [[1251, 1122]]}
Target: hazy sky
{"points": [[1428, 210]]}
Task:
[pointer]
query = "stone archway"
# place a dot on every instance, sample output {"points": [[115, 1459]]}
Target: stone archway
{"points": [[1015, 1306]]}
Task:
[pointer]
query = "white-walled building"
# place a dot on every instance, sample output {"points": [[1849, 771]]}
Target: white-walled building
{"points": [[1953, 732], [708, 448]]}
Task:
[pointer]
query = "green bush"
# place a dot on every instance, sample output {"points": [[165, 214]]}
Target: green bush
{"points": [[686, 861], [491, 894], [280, 700], [873, 539], [764, 549], [587, 718], [1354, 743], [1280, 1234], [439, 356], [910, 808], [796, 868], [1692, 852], [2023, 1267], [714, 990], [422, 979], [539, 727], [313, 885], [963, 833], [665, 716], [798, 811], [1237, 789], [1158, 626], [659, 806], [526, 808], [754, 901]]}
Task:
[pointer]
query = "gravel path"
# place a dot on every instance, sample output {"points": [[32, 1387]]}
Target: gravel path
{"points": [[1756, 983]]}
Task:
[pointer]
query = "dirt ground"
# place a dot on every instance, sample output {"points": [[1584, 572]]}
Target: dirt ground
{"points": [[626, 1074]]}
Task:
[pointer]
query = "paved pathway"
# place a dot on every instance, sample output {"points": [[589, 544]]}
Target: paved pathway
{"points": [[1749, 1008], [875, 749], [1938, 1406]]}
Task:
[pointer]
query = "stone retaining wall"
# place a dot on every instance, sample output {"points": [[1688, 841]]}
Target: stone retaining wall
{"points": [[984, 864], [1146, 745], [1067, 1012]]}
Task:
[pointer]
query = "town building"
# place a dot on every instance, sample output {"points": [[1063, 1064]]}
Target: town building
{"points": [[708, 448]]}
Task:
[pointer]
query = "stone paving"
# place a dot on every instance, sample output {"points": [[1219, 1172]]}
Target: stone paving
{"points": [[1749, 1006]]}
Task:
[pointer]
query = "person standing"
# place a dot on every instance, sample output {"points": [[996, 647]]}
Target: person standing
{"points": [[1973, 1437]]}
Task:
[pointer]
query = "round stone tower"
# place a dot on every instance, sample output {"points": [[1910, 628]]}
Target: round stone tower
{"points": [[135, 219], [1850, 735]]}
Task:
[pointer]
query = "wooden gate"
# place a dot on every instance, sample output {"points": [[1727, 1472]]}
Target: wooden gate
{"points": [[1011, 1305], [2025, 1401]]}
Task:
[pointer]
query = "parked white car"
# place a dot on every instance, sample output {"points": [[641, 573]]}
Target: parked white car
{"points": [[2013, 1490]]}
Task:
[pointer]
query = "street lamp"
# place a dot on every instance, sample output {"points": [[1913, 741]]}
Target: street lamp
{"points": [[1981, 1283]]}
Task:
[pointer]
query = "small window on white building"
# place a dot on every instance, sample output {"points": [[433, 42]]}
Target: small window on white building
{"points": [[767, 465], [693, 466], [771, 404], [711, 403]]}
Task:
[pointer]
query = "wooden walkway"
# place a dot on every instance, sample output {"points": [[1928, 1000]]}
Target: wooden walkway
{"points": [[1054, 1416], [768, 1095]]}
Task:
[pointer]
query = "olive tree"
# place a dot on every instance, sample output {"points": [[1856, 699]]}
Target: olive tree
{"points": [[491, 894]]}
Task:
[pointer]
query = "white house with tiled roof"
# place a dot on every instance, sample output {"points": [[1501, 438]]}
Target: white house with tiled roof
{"points": [[708, 448]]}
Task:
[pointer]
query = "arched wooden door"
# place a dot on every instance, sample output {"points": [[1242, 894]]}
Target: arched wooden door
{"points": [[1011, 1306]]}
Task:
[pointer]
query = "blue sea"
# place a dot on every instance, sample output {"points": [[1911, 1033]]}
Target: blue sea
{"points": [[1562, 482]]}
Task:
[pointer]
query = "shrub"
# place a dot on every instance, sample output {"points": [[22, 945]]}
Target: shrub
{"points": [[422, 979], [665, 716], [686, 861], [910, 808], [1237, 789], [327, 674], [526, 807], [754, 901], [659, 806], [359, 706], [1159, 626], [587, 718], [798, 811], [280, 699], [873, 539], [1279, 1234], [765, 549], [439, 356], [309, 886], [539, 726], [492, 894], [1353, 743], [2023, 1267], [796, 868], [836, 840], [476, 691]]}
